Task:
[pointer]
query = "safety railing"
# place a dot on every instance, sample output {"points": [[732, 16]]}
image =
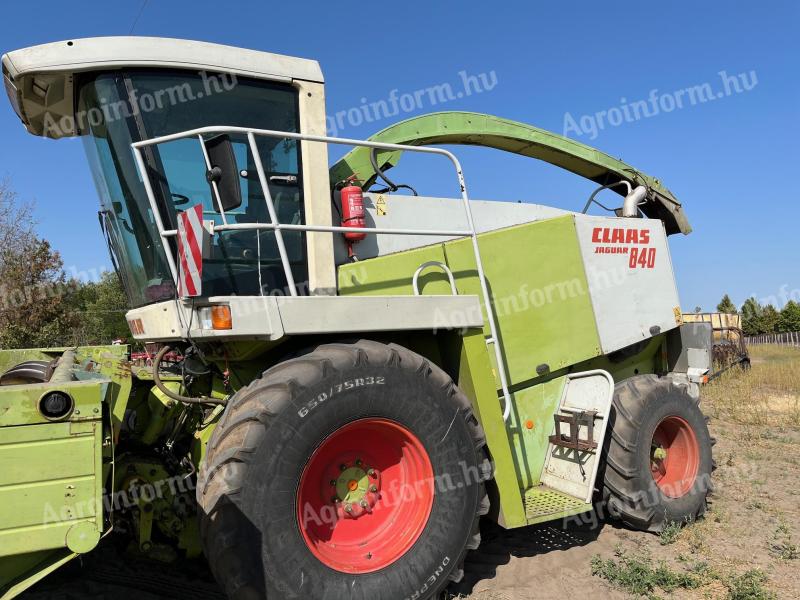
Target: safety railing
{"points": [[278, 228]]}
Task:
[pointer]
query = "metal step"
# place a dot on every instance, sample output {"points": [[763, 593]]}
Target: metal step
{"points": [[573, 455], [542, 502]]}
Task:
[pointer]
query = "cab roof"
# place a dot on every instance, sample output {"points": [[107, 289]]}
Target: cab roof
{"points": [[39, 79]]}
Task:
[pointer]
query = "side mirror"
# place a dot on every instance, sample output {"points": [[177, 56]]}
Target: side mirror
{"points": [[223, 172]]}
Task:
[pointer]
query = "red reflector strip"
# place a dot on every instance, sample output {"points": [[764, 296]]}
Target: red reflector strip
{"points": [[190, 253], [136, 326]]}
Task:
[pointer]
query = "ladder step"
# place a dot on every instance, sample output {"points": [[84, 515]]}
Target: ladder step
{"points": [[575, 420], [542, 502]]}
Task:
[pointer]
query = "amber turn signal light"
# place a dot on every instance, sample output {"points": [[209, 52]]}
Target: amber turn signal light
{"points": [[221, 317]]}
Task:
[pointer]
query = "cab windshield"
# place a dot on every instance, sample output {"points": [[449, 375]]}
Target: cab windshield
{"points": [[121, 107]]}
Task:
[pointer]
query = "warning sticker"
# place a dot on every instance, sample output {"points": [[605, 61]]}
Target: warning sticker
{"points": [[380, 205]]}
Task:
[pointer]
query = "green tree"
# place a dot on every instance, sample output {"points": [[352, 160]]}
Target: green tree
{"points": [[39, 306], [752, 323], [100, 309], [34, 293], [789, 319], [769, 319], [726, 305]]}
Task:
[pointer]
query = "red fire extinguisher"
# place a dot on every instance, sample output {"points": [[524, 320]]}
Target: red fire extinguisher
{"points": [[352, 199]]}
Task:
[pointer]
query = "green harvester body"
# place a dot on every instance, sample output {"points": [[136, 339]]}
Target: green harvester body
{"points": [[62, 480]]}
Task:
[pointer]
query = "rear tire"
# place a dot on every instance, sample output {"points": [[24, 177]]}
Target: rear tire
{"points": [[658, 457], [343, 407]]}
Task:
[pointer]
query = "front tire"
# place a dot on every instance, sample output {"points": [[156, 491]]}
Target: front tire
{"points": [[355, 471], [658, 458]]}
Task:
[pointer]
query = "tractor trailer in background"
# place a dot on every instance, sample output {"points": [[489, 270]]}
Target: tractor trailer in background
{"points": [[345, 376]]}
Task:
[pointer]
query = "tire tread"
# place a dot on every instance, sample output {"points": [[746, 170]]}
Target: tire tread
{"points": [[251, 412]]}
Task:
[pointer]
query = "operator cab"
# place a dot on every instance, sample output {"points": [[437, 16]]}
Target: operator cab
{"points": [[113, 92], [241, 263]]}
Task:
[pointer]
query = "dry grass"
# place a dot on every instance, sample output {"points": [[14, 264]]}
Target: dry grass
{"points": [[767, 394]]}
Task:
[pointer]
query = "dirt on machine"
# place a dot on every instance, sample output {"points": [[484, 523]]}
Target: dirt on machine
{"points": [[335, 376]]}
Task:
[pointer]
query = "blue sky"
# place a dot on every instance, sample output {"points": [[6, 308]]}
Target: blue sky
{"points": [[730, 161]]}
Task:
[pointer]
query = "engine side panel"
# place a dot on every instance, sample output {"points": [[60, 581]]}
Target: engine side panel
{"points": [[632, 283]]}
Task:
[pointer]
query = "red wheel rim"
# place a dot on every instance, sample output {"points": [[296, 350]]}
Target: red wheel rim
{"points": [[674, 456], [365, 496]]}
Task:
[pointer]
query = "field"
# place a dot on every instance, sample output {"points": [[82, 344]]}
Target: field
{"points": [[747, 548]]}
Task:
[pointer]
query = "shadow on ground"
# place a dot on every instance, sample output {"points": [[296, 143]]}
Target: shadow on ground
{"points": [[499, 546], [108, 574]]}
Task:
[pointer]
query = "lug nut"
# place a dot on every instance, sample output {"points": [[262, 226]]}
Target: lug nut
{"points": [[343, 467], [358, 462], [363, 504], [335, 500], [333, 482], [348, 508], [373, 488], [372, 473]]}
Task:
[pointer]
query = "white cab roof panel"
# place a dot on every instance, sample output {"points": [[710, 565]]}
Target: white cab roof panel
{"points": [[50, 67]]}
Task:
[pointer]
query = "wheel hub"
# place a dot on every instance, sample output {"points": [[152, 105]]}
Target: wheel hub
{"points": [[357, 488], [674, 456]]}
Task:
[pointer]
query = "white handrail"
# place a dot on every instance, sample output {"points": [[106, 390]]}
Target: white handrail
{"points": [[277, 227], [433, 263], [330, 229], [602, 435], [273, 215]]}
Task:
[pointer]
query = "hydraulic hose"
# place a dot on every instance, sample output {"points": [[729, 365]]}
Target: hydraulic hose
{"points": [[392, 186], [169, 393]]}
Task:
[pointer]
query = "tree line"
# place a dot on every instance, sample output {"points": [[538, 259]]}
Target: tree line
{"points": [[758, 319], [40, 306]]}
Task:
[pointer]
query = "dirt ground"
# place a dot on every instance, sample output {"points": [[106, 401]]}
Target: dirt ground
{"points": [[743, 550]]}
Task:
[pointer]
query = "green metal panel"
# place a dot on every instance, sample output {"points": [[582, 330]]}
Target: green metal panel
{"points": [[50, 486], [530, 425], [539, 291], [476, 381], [19, 403], [51, 472], [112, 362], [477, 129], [392, 274], [647, 359], [537, 282]]}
